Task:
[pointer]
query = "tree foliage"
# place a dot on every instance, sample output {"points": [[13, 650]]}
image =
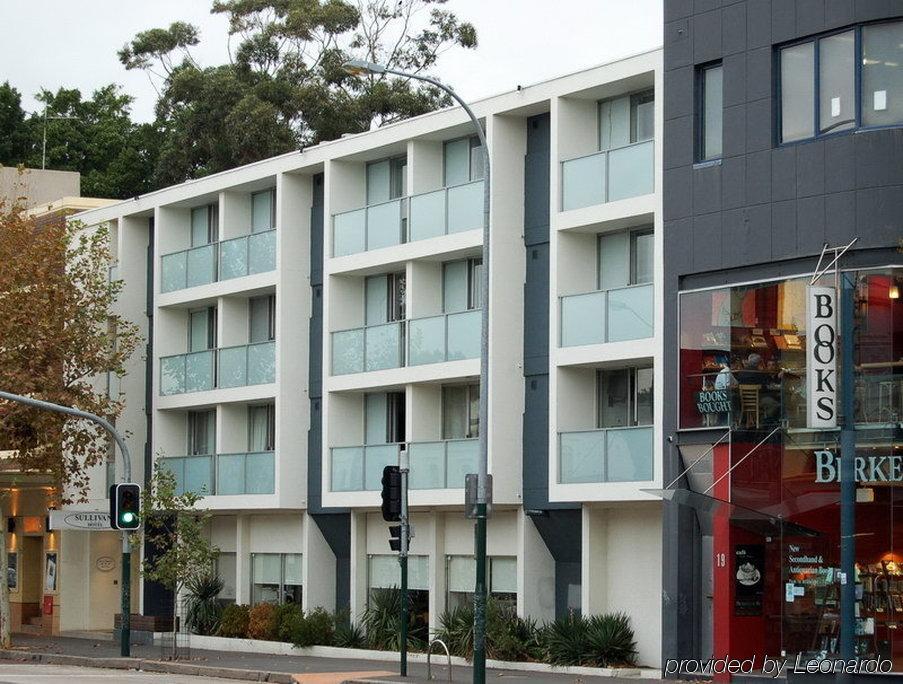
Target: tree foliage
{"points": [[59, 338]]}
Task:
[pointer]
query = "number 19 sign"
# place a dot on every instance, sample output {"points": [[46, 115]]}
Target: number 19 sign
{"points": [[821, 357]]}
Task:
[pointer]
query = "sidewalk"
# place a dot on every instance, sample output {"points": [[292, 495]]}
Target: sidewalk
{"points": [[102, 652]]}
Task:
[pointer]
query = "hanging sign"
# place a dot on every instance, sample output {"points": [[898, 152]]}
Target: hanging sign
{"points": [[821, 357]]}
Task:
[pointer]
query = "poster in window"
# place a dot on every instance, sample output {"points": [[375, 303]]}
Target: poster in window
{"points": [[50, 572], [749, 569], [12, 570]]}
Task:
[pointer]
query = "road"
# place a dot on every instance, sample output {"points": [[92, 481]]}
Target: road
{"points": [[21, 673]]}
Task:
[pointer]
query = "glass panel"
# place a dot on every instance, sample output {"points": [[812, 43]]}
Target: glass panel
{"points": [[614, 266], [347, 352], [378, 182], [348, 232], [583, 182], [259, 319], [837, 82], [427, 465], [477, 163], [454, 412], [376, 298], [461, 459], [225, 570], [465, 207], [457, 161], [199, 330], [262, 252], [504, 575], [385, 572], [614, 398], [233, 258], [375, 459], [260, 473], [265, 567], [643, 258], [462, 573], [176, 466], [230, 474], [614, 123], [375, 418], [173, 271], [347, 469], [882, 74], [464, 335], [418, 573], [713, 102], [262, 211], [454, 286], [291, 568], [644, 118], [581, 459], [644, 395], [201, 266], [630, 313], [384, 225], [383, 346], [201, 432], [629, 454], [427, 340], [798, 92], [583, 319], [258, 422], [200, 226], [630, 171], [262, 363], [199, 371], [232, 368], [172, 375], [427, 215], [199, 474]]}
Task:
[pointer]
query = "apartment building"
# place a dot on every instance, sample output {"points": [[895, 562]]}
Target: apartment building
{"points": [[310, 315]]}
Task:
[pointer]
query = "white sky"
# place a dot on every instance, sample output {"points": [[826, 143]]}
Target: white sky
{"points": [[73, 43]]}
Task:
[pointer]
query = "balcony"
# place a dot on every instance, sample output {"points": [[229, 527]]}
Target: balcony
{"points": [[360, 468], [445, 211], [248, 364], [615, 315], [443, 464], [608, 176], [242, 256], [416, 342], [224, 474], [607, 455]]}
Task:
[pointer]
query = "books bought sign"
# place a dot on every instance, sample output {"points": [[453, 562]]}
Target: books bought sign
{"points": [[821, 357]]}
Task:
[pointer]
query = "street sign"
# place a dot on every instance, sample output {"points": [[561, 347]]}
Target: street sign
{"points": [[90, 521], [821, 357]]}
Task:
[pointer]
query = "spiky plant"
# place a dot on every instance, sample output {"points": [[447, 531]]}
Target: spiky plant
{"points": [[202, 609]]}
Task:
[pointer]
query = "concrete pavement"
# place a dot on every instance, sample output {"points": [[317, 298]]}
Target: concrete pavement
{"points": [[22, 673]]}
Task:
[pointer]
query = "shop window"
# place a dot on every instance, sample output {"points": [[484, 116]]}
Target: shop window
{"points": [[262, 319], [204, 225], [461, 578], [201, 432], [276, 578], [384, 417], [263, 211], [462, 285], [224, 567], [625, 397], [262, 428], [462, 161], [710, 112], [460, 411], [386, 180], [202, 329], [626, 119], [384, 298]]}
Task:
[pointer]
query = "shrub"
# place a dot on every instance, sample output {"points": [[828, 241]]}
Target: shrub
{"points": [[347, 634], [202, 609], [287, 617], [382, 622], [234, 622], [262, 622], [314, 629], [456, 630], [508, 637], [610, 640], [564, 641]]}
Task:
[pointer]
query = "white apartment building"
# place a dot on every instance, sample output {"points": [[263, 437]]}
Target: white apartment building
{"points": [[310, 314]]}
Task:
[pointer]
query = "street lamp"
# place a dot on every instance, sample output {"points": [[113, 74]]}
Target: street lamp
{"points": [[54, 117], [359, 67]]}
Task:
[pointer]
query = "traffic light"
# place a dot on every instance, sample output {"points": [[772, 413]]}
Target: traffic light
{"points": [[395, 537], [391, 493], [125, 506]]}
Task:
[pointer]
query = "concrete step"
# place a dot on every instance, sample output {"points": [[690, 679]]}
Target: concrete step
{"points": [[36, 620], [37, 630]]}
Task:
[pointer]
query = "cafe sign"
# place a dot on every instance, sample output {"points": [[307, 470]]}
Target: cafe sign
{"points": [[869, 469], [821, 357], [91, 521]]}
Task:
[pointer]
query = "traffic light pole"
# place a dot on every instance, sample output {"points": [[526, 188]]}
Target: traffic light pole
{"points": [[403, 561], [126, 589]]}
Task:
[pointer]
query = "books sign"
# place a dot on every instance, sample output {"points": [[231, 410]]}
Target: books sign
{"points": [[821, 357]]}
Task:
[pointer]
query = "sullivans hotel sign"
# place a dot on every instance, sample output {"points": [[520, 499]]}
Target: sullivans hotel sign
{"points": [[868, 468]]}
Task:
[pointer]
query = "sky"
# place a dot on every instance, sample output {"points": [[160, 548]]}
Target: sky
{"points": [[73, 43]]}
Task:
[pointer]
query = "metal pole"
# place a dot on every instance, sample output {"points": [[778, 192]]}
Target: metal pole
{"points": [[44, 143], [126, 589], [403, 560], [847, 475]]}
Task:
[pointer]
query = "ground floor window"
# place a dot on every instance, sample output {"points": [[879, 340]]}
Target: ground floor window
{"points": [[461, 572], [384, 579], [276, 578], [225, 570]]}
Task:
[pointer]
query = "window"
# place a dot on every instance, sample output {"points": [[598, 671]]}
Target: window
{"points": [[384, 298], [710, 112], [224, 566], [204, 225], [460, 411], [386, 180], [463, 161], [625, 397], [461, 578], [202, 329], [276, 578], [818, 93], [626, 119], [262, 428], [625, 258], [462, 285], [262, 319], [384, 418], [201, 432], [263, 211]]}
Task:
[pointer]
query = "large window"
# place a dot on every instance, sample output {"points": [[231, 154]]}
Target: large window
{"points": [[627, 119], [204, 225], [262, 319], [463, 161], [462, 285], [276, 578], [384, 298], [625, 397], [263, 211], [201, 432], [386, 180], [818, 93], [460, 411], [461, 577], [625, 258], [710, 112], [262, 428]]}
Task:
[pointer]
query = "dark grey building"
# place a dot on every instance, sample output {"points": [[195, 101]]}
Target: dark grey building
{"points": [[783, 131]]}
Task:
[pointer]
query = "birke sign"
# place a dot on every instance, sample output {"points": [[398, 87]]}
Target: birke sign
{"points": [[821, 357]]}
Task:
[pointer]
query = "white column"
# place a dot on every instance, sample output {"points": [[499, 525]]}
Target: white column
{"points": [[437, 570], [535, 573], [358, 598], [594, 598], [319, 569], [242, 559]]}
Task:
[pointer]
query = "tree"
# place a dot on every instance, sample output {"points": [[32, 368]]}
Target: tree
{"points": [[174, 526], [13, 131], [59, 336], [284, 86]]}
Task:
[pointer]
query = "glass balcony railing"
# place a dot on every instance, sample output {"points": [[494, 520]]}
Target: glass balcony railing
{"points": [[360, 468], [607, 455], [376, 347], [608, 176], [248, 364], [241, 256], [445, 211], [443, 464], [224, 474], [448, 337], [616, 315]]}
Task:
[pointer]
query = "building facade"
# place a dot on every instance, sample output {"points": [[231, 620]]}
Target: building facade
{"points": [[310, 315], [782, 133]]}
